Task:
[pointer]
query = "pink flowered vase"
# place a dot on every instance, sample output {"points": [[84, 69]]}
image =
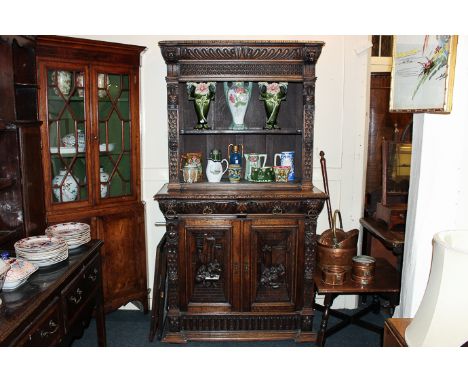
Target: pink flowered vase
{"points": [[272, 94], [202, 93], [238, 97]]}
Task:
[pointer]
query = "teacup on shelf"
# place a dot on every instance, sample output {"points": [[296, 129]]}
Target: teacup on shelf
{"points": [[281, 173]]}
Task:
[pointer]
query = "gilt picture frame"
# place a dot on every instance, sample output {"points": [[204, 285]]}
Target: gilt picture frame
{"points": [[423, 72]]}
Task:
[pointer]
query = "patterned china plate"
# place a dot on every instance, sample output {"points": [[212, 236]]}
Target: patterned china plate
{"points": [[68, 229], [39, 243], [20, 269]]}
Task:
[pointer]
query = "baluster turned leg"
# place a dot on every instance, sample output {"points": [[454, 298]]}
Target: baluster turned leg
{"points": [[329, 297]]}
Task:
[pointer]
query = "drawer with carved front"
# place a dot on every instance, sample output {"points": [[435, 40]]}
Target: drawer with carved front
{"points": [[46, 330], [80, 290]]}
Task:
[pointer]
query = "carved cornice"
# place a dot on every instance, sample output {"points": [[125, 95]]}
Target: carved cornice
{"points": [[306, 51]]}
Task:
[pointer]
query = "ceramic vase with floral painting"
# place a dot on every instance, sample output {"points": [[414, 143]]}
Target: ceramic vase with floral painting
{"points": [[201, 93], [272, 94], [238, 97], [67, 184]]}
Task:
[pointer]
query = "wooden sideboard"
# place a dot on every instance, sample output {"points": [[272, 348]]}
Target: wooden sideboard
{"points": [[57, 302]]}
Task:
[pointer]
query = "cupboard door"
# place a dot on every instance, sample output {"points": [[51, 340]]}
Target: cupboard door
{"points": [[64, 108], [210, 256], [116, 103], [272, 260], [123, 259]]}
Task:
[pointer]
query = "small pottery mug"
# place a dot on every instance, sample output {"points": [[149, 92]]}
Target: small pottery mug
{"points": [[190, 173], [286, 159], [281, 173], [193, 159], [235, 173], [262, 174]]}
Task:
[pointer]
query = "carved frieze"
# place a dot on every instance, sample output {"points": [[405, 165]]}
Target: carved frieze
{"points": [[173, 207], [246, 69], [244, 322]]}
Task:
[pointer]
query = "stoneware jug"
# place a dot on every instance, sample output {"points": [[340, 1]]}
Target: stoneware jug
{"points": [[214, 170], [286, 159], [253, 160]]}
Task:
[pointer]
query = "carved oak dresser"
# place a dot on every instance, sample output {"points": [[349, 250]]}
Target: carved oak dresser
{"points": [[237, 260]]}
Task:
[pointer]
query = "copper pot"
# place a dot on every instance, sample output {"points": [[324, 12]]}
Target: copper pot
{"points": [[335, 275], [342, 257], [363, 270]]}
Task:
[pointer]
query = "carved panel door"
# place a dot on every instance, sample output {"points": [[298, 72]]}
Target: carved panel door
{"points": [[272, 259], [210, 257]]}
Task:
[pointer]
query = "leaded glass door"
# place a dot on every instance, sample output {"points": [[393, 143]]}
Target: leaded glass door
{"points": [[65, 89], [113, 93]]}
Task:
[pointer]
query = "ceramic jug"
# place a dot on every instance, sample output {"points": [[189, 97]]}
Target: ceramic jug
{"points": [[253, 160], [214, 170], [286, 159]]}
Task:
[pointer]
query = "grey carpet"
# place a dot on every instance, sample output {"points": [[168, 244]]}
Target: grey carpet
{"points": [[131, 328]]}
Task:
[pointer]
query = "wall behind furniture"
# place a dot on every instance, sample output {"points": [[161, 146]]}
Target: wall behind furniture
{"points": [[438, 188], [340, 126]]}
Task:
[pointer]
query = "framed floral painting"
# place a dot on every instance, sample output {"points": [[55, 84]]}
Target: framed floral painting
{"points": [[423, 73]]}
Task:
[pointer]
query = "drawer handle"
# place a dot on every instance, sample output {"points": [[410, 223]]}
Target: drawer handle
{"points": [[277, 210], [93, 276], [207, 210], [53, 326], [74, 299]]}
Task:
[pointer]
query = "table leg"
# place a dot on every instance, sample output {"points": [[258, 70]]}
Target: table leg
{"points": [[100, 321], [323, 324]]}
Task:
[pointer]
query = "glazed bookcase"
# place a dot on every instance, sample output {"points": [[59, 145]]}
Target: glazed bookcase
{"points": [[89, 102], [259, 238]]}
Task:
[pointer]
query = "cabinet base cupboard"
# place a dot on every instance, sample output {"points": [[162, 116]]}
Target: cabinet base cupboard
{"points": [[89, 105], [237, 260]]}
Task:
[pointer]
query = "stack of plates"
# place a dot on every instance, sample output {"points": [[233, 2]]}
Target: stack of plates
{"points": [[42, 250], [19, 273], [75, 234]]}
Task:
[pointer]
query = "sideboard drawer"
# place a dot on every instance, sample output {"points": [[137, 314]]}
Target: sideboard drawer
{"points": [[83, 286], [46, 330]]}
